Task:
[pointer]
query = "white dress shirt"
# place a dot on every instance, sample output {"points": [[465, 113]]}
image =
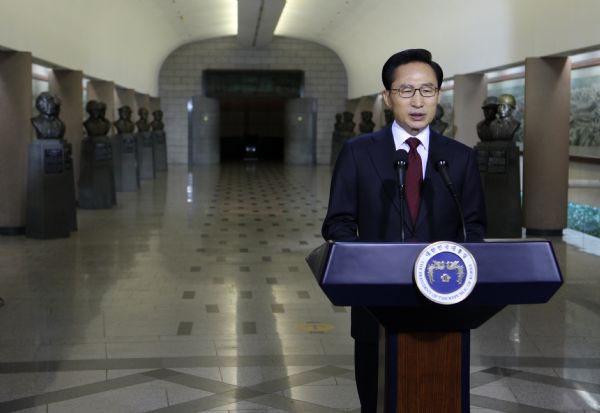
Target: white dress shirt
{"points": [[400, 137]]}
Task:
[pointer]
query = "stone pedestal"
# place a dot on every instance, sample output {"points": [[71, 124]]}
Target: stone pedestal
{"points": [[146, 161], [50, 192], [96, 180], [127, 175], [499, 168], [160, 150], [70, 170]]}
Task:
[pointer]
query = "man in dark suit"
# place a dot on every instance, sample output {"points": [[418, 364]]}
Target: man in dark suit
{"points": [[364, 202]]}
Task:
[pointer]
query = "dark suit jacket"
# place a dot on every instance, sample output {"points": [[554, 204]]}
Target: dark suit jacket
{"points": [[364, 204]]}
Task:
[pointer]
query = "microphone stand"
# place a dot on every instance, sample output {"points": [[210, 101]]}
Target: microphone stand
{"points": [[401, 163], [442, 167]]}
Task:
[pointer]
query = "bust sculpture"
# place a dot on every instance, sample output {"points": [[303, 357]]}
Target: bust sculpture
{"points": [[503, 128], [389, 117], [490, 109], [366, 124], [348, 122], [438, 124], [124, 124], [142, 123], [96, 124], [157, 123], [47, 125], [337, 127]]}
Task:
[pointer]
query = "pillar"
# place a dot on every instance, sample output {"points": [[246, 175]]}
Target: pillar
{"points": [[546, 144], [203, 131], [68, 86], [469, 93], [125, 97], [154, 104], [15, 136], [300, 131]]}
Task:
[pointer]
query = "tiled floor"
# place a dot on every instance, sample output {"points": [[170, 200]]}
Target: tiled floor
{"points": [[193, 295]]}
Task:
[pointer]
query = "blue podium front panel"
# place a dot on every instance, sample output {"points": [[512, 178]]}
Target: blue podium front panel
{"points": [[381, 274]]}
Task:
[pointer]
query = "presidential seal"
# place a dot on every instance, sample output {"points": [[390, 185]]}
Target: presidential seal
{"points": [[445, 272]]}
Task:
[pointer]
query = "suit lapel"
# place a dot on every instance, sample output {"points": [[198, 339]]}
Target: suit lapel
{"points": [[381, 151], [436, 148]]}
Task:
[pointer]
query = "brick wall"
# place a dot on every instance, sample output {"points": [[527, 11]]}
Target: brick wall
{"points": [[181, 77]]}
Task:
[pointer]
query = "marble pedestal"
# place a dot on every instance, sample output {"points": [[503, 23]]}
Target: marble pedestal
{"points": [[50, 193], [499, 168], [146, 161], [96, 179], [160, 150], [127, 175]]}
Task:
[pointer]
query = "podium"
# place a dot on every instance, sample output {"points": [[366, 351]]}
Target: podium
{"points": [[426, 345]]}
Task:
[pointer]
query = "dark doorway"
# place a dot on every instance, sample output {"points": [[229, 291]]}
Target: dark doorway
{"points": [[252, 110], [252, 129]]}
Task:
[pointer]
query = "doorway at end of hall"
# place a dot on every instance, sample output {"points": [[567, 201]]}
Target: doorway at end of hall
{"points": [[252, 129]]}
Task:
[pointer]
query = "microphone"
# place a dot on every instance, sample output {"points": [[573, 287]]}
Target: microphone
{"points": [[400, 164], [441, 166]]}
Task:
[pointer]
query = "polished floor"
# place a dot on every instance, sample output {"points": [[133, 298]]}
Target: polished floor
{"points": [[193, 295]]}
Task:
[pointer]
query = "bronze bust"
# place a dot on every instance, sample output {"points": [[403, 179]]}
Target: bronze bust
{"points": [[503, 128], [438, 124], [142, 123], [490, 109], [124, 124], [47, 125], [389, 117], [96, 124], [366, 124], [337, 127], [157, 123], [348, 122]]}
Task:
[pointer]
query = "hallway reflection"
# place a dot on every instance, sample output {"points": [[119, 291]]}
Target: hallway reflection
{"points": [[193, 295]]}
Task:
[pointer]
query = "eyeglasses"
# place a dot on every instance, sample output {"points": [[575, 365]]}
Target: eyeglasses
{"points": [[408, 92]]}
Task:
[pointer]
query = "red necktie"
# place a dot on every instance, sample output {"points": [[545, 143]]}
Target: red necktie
{"points": [[414, 178]]}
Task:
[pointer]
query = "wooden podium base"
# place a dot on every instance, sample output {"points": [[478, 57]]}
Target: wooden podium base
{"points": [[425, 372]]}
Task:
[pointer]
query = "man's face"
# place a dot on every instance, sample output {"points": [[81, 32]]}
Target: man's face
{"points": [[415, 113], [504, 110]]}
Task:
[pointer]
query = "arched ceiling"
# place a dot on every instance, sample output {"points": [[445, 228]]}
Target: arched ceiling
{"points": [[127, 40]]}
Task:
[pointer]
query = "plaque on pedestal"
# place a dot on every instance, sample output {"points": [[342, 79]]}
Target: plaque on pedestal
{"points": [[500, 177], [96, 179], [49, 191], [146, 161], [160, 150], [127, 176]]}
